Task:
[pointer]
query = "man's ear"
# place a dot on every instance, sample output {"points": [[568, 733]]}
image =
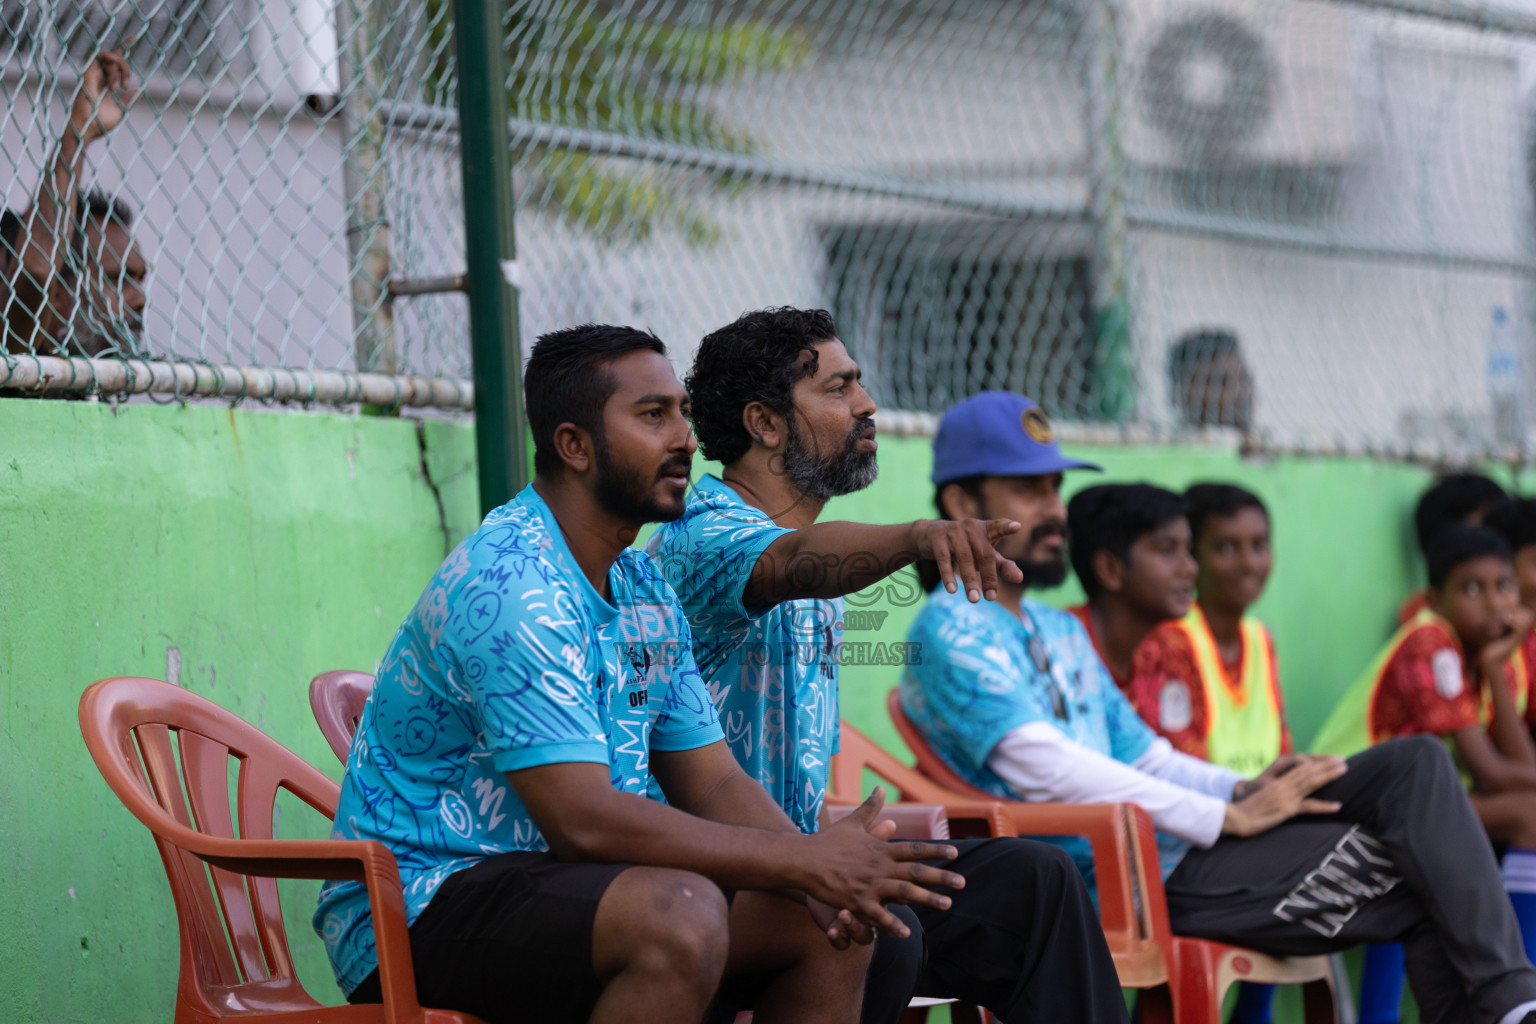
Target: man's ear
{"points": [[1435, 599], [574, 446], [764, 426], [1109, 569], [958, 503]]}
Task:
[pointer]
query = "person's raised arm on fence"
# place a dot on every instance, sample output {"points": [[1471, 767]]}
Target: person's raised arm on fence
{"points": [[42, 286]]}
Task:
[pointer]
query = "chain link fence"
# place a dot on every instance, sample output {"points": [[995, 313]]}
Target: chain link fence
{"points": [[1309, 222], [228, 196]]}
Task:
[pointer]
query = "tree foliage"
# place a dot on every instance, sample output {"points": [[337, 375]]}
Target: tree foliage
{"points": [[597, 67]]}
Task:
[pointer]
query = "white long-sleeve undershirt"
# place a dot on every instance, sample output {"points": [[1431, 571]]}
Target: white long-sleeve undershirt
{"points": [[1184, 796]]}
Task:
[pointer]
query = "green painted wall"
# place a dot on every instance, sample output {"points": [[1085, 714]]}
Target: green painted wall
{"points": [[258, 548], [261, 548]]}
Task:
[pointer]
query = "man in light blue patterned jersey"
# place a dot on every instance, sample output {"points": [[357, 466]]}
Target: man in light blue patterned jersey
{"points": [[540, 686], [1313, 856], [778, 401]]}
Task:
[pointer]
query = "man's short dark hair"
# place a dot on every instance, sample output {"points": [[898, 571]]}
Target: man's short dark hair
{"points": [[1451, 499], [757, 357], [94, 205], [970, 485], [1196, 351], [1112, 517], [1204, 500], [567, 381], [1459, 543], [98, 207], [1514, 519]]}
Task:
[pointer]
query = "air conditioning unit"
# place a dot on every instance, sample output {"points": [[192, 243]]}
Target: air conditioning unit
{"points": [[1236, 83]]}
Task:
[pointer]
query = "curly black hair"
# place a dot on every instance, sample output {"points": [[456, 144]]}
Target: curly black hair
{"points": [[757, 357]]}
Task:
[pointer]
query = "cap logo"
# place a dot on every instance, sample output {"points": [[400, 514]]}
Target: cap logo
{"points": [[1037, 426]]}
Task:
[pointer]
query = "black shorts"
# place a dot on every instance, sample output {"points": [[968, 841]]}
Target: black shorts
{"points": [[509, 939]]}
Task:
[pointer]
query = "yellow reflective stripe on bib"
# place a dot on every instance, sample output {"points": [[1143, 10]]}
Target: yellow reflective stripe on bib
{"points": [[1243, 726]]}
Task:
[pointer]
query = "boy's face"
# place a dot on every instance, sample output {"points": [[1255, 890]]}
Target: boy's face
{"points": [[1235, 559], [1160, 576], [1479, 600], [1525, 575]]}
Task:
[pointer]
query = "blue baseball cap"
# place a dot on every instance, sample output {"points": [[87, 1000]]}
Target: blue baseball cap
{"points": [[997, 433]]}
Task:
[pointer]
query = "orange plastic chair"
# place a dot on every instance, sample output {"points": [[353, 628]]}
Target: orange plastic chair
{"points": [[166, 754], [1136, 934], [1201, 970], [337, 699]]}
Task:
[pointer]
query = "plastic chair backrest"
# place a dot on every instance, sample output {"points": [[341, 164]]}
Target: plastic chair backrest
{"points": [[166, 753], [929, 763], [1128, 920], [859, 753], [337, 699]]}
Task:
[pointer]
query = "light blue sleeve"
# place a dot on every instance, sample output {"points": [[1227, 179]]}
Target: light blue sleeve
{"points": [[688, 718], [708, 556], [524, 661], [976, 684], [1129, 734]]}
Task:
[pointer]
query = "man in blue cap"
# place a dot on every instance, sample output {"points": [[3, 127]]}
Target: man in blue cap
{"points": [[1313, 856], [777, 400]]}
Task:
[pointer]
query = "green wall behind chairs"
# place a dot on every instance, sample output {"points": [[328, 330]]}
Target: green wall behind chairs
{"points": [[239, 551], [242, 551]]}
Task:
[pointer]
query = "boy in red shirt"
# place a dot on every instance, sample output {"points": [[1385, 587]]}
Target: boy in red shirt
{"points": [[1515, 521], [1209, 681], [1449, 672], [1204, 676], [1454, 498], [1143, 574]]}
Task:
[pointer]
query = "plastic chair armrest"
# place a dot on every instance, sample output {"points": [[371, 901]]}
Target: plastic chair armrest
{"points": [[1115, 866], [990, 817], [357, 860], [1149, 876]]}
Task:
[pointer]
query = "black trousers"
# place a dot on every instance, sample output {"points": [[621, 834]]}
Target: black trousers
{"points": [[1404, 860], [1022, 939]]}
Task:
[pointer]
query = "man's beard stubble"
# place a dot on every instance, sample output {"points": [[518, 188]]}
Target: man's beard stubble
{"points": [[1047, 572], [627, 495], [1043, 575], [823, 477]]}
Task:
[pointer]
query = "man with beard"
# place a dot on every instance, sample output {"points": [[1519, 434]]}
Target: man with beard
{"points": [[1314, 856], [71, 275], [777, 400], [519, 718]]}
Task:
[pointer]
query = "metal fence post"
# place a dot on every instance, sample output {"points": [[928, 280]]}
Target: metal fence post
{"points": [[1115, 375], [491, 257], [366, 179]]}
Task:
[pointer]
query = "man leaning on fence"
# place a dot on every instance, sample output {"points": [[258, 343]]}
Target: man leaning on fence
{"points": [[542, 681], [71, 275]]}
